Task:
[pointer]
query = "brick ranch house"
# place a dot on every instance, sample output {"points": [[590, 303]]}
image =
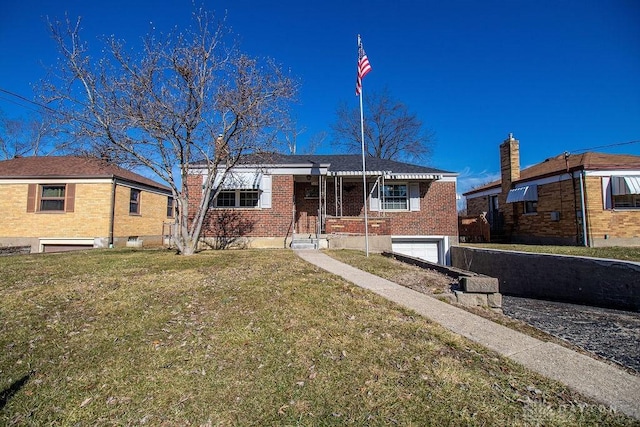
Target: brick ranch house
{"points": [[65, 203], [286, 199], [589, 199]]}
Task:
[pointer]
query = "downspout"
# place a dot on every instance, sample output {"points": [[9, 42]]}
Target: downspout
{"points": [[575, 208], [585, 239], [113, 209]]}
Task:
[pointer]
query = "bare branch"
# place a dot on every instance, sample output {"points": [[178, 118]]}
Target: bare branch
{"points": [[391, 131], [163, 107]]}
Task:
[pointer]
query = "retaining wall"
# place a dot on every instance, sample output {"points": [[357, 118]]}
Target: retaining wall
{"points": [[591, 281]]}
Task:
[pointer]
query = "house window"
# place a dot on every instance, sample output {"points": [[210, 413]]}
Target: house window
{"points": [[530, 206], [134, 202], [248, 199], [170, 204], [237, 199], [395, 197], [226, 199], [625, 192], [312, 192], [626, 201], [52, 198]]}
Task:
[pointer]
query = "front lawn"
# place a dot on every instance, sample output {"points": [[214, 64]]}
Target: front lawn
{"points": [[614, 252], [124, 337]]}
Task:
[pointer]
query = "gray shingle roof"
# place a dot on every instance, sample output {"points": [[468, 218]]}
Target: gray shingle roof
{"points": [[342, 163]]}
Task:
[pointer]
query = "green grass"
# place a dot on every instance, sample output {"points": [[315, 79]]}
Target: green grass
{"points": [[614, 252], [123, 337]]}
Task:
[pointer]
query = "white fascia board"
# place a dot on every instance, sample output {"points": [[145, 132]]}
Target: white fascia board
{"points": [[431, 237], [448, 178], [613, 173], [299, 170], [304, 169], [143, 187], [542, 181], [487, 192]]}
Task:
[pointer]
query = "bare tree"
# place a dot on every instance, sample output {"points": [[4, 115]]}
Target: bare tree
{"points": [[30, 136], [316, 141], [391, 131], [291, 134], [183, 98]]}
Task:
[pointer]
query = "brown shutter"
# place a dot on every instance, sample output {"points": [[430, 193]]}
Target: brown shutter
{"points": [[70, 194], [31, 197]]}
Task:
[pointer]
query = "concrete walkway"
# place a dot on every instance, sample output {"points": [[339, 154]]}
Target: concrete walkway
{"points": [[602, 382]]}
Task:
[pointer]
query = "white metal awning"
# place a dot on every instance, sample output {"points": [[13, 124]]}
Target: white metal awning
{"points": [[621, 185], [239, 181], [389, 175], [524, 193], [418, 176]]}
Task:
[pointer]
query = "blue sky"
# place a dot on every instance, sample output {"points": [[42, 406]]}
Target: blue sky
{"points": [[562, 75]]}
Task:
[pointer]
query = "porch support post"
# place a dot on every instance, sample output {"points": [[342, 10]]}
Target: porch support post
{"points": [[335, 195]]}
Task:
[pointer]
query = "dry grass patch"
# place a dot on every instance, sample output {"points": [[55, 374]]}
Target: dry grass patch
{"points": [[242, 338], [613, 252]]}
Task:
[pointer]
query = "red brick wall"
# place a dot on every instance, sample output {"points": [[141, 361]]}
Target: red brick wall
{"points": [[355, 225], [437, 215], [477, 205], [254, 222]]}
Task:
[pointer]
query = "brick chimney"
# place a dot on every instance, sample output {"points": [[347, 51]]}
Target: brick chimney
{"points": [[509, 162]]}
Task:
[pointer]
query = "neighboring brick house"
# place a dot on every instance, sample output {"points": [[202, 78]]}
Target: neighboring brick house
{"points": [[546, 203], [65, 203], [277, 202]]}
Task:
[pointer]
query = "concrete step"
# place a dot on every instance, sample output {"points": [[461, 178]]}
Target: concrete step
{"points": [[304, 244]]}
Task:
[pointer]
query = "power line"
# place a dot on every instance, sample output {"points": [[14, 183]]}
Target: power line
{"points": [[618, 144], [25, 99]]}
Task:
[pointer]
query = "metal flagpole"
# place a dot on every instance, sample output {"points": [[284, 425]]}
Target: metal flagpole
{"points": [[364, 179], [363, 69]]}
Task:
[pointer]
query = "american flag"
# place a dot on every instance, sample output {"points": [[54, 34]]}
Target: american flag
{"points": [[363, 66]]}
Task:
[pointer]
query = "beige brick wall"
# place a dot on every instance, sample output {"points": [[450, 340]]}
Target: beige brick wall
{"points": [[609, 224], [554, 197], [153, 213], [90, 218], [605, 227]]}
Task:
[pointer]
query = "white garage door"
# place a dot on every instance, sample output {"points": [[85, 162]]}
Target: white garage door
{"points": [[417, 249]]}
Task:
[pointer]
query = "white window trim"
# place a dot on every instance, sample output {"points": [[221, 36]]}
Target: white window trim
{"points": [[413, 197], [382, 199], [607, 192], [65, 241], [264, 196], [237, 200]]}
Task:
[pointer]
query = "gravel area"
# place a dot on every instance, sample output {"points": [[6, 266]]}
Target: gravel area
{"points": [[611, 334]]}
